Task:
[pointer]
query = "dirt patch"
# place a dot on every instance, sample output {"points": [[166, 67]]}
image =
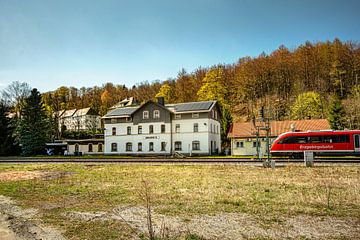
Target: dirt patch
{"points": [[29, 175], [232, 225], [21, 224]]}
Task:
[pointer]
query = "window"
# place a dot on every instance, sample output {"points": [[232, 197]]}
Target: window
{"points": [[195, 145], [128, 119], [90, 147], [177, 116], [128, 130], [139, 146], [151, 146], [239, 144], [114, 147], [216, 115], [196, 127], [177, 146], [113, 120], [162, 128], [163, 146], [211, 127], [139, 129], [145, 114], [195, 115], [129, 147], [254, 144], [100, 147], [213, 113], [151, 129], [177, 128], [156, 114], [76, 147], [114, 131]]}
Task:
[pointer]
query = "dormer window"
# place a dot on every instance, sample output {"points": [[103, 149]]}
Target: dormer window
{"points": [[177, 116], [145, 114], [156, 114]]}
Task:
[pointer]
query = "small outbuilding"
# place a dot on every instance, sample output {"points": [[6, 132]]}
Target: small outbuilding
{"points": [[243, 135]]}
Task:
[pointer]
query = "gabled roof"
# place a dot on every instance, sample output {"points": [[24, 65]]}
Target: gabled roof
{"points": [[244, 130], [151, 102], [175, 108], [68, 113]]}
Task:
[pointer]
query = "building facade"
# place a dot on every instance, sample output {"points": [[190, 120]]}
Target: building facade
{"points": [[243, 135], [157, 129], [78, 119]]}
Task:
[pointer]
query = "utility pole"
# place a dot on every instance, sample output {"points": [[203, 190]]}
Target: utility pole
{"points": [[267, 162]]}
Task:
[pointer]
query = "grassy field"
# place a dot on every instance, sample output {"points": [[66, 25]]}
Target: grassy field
{"points": [[180, 191]]}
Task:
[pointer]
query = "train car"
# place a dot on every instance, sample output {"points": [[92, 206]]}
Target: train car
{"points": [[326, 142]]}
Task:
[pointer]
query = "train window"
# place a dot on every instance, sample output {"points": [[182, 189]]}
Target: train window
{"points": [[301, 139], [316, 139], [340, 138]]}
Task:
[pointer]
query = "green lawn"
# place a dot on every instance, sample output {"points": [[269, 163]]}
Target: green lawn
{"points": [[180, 190]]}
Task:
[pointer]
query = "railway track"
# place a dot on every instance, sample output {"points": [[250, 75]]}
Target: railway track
{"points": [[171, 160]]}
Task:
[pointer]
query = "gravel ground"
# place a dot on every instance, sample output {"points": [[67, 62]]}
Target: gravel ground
{"points": [[21, 224], [233, 225]]}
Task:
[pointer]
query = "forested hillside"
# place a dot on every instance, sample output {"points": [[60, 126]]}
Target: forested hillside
{"points": [[295, 83]]}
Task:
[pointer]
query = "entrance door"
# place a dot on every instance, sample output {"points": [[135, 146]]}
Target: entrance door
{"points": [[357, 142]]}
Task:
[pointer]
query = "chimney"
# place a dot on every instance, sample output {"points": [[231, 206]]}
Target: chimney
{"points": [[161, 101], [293, 127]]}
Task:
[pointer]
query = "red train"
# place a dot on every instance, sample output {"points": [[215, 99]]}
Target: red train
{"points": [[326, 142]]}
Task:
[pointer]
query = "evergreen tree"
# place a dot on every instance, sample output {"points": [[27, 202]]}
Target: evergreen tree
{"points": [[7, 142], [33, 128], [336, 114]]}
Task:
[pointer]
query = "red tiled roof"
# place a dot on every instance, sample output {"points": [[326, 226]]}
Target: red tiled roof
{"points": [[247, 129]]}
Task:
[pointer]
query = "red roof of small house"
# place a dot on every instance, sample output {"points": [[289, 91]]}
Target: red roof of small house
{"points": [[247, 129]]}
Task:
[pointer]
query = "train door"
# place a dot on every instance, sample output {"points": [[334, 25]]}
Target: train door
{"points": [[357, 142]]}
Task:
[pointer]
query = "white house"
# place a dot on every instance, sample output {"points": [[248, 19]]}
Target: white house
{"points": [[78, 119], [156, 129]]}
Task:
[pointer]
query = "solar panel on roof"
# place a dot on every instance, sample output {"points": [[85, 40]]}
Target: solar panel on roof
{"points": [[193, 106], [121, 111]]}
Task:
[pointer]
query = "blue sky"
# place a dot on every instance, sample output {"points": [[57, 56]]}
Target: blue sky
{"points": [[50, 43]]}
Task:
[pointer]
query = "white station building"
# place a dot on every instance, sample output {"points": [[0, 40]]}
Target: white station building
{"points": [[157, 129]]}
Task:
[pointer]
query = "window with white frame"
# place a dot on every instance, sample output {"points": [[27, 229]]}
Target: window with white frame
{"points": [[195, 115], [156, 114], [129, 130], [114, 131], [163, 146], [151, 146], [128, 146], [239, 144], [139, 146], [255, 143], [216, 115], [177, 128], [178, 146], [114, 147], [196, 127], [162, 128], [90, 147], [139, 129], [113, 120], [145, 114], [196, 145], [151, 129]]}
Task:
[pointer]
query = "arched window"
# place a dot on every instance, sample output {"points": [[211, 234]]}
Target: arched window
{"points": [[114, 147], [114, 131], [128, 146], [100, 147], [145, 114], [76, 147], [156, 114], [90, 147]]}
